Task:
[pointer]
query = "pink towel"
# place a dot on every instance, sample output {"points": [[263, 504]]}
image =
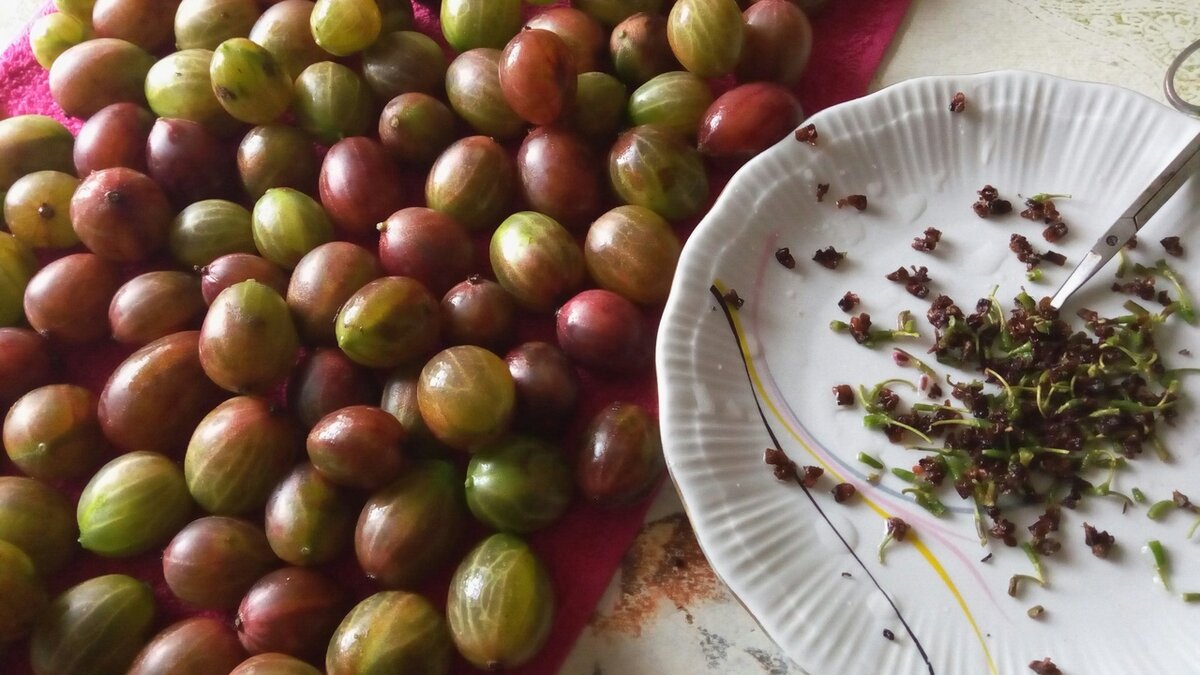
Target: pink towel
{"points": [[584, 549]]}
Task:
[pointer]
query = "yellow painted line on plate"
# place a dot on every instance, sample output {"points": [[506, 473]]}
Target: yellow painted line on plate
{"points": [[928, 555], [962, 602]]}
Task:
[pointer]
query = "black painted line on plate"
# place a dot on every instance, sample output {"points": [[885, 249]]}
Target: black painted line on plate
{"points": [[775, 440]]}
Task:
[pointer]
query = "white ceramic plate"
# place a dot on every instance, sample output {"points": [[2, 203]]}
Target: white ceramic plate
{"points": [[784, 552]]}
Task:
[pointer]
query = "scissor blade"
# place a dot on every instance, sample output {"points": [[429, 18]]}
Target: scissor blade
{"points": [[1102, 251], [1158, 192], [1168, 182]]}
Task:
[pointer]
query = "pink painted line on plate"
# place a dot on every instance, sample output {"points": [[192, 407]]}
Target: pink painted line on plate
{"points": [[947, 537]]}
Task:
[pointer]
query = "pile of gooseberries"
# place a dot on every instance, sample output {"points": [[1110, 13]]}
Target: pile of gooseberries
{"points": [[353, 280]]}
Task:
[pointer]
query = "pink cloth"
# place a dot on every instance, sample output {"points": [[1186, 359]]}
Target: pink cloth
{"points": [[584, 549]]}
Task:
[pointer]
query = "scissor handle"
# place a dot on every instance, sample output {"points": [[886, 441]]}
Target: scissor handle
{"points": [[1173, 97]]}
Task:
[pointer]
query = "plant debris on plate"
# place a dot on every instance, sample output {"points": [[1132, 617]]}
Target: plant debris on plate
{"points": [[1051, 403]]}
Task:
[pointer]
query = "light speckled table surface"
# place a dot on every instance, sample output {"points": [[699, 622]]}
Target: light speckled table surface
{"points": [[666, 611], [14, 14]]}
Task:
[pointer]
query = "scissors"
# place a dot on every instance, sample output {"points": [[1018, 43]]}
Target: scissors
{"points": [[1157, 193]]}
